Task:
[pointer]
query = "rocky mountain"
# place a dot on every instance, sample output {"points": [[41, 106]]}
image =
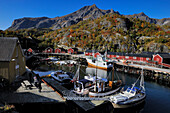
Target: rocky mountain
{"points": [[144, 17], [87, 12]]}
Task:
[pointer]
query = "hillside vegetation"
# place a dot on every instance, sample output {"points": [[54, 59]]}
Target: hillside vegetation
{"points": [[114, 31]]}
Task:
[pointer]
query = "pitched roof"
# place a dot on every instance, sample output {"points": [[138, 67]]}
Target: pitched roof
{"points": [[7, 47], [130, 54]]}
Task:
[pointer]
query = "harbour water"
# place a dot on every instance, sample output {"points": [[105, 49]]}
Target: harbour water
{"points": [[158, 96]]}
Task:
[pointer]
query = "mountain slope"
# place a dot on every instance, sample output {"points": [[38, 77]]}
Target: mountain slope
{"points": [[144, 17], [87, 12]]}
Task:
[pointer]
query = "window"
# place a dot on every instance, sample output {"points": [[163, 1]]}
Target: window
{"points": [[128, 90], [127, 57], [104, 64], [134, 57], [147, 58], [132, 92]]}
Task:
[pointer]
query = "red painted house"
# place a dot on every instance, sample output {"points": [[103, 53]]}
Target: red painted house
{"points": [[70, 51], [158, 58], [48, 50], [60, 50], [162, 58], [97, 54], [127, 56], [30, 50], [88, 53], [57, 50]]}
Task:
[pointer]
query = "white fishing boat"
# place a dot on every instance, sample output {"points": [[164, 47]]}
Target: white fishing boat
{"points": [[104, 88], [61, 76], [99, 62], [53, 58], [96, 86], [131, 96], [81, 87]]}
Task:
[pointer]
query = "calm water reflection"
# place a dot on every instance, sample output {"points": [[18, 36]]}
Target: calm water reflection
{"points": [[157, 100]]}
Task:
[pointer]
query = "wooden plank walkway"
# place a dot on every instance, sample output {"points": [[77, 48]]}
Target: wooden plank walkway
{"points": [[85, 105], [23, 95], [166, 71]]}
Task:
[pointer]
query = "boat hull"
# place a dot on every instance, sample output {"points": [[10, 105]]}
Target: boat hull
{"points": [[128, 105], [99, 64], [92, 65], [93, 94]]}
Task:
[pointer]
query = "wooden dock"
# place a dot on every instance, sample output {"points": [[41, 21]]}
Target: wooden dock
{"points": [[26, 95], [162, 70], [50, 99], [85, 105]]}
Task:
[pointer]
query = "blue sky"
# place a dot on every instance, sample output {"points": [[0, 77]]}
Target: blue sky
{"points": [[14, 9]]}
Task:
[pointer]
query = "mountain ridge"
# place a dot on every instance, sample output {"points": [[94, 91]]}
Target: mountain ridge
{"points": [[84, 13], [144, 17]]}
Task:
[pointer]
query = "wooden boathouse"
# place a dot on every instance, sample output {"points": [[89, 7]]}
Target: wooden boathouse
{"points": [[12, 60]]}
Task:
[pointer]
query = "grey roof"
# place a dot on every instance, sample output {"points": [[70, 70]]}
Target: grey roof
{"points": [[7, 47], [165, 55]]}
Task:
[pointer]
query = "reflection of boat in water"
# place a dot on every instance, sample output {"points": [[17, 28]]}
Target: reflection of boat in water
{"points": [[49, 59], [65, 62], [100, 73], [99, 62], [131, 96]]}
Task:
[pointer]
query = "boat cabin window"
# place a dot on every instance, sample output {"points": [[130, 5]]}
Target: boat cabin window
{"points": [[55, 74], [66, 77], [128, 90], [88, 84], [79, 85], [104, 64], [93, 60], [132, 92]]}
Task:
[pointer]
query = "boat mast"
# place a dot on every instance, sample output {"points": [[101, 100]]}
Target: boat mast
{"points": [[105, 52], [113, 72], [96, 73], [93, 50], [142, 81]]}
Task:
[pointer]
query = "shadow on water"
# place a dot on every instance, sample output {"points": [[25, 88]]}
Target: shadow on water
{"points": [[136, 109]]}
